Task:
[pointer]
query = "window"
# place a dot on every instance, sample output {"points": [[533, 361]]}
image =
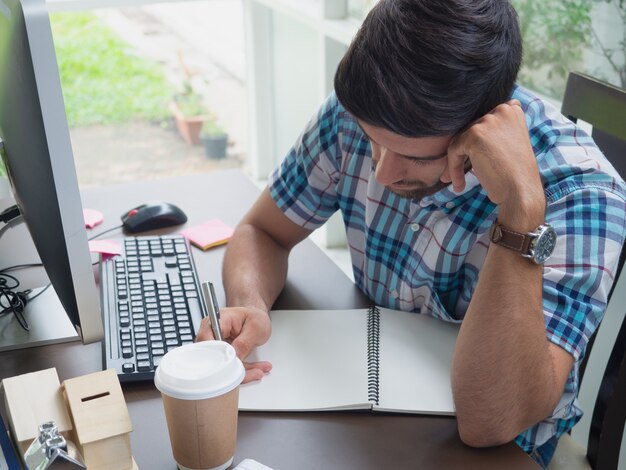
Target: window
{"points": [[564, 35]]}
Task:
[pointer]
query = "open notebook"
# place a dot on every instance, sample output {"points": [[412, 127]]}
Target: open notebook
{"points": [[376, 358]]}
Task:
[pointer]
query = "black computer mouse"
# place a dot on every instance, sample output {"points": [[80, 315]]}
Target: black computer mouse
{"points": [[153, 215]]}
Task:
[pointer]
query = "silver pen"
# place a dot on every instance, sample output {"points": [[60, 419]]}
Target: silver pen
{"points": [[213, 309]]}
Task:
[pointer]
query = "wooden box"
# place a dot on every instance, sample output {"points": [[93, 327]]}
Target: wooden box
{"points": [[31, 400], [101, 420]]}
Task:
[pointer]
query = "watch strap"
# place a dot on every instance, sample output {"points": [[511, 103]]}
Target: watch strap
{"points": [[516, 241]]}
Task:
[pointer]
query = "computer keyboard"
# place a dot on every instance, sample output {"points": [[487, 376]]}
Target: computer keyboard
{"points": [[151, 303]]}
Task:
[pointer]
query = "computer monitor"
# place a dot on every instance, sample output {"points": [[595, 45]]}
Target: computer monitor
{"points": [[38, 156]]}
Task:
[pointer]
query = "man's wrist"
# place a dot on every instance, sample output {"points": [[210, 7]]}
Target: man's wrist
{"points": [[523, 214], [247, 303]]}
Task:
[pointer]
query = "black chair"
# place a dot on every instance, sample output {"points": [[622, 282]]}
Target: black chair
{"points": [[604, 107]]}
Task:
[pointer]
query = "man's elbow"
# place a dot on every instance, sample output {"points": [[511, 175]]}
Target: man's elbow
{"points": [[484, 434]]}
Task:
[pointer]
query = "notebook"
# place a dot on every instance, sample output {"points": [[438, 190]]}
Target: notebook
{"points": [[377, 359]]}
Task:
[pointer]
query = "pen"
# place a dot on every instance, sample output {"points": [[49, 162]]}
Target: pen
{"points": [[213, 309]]}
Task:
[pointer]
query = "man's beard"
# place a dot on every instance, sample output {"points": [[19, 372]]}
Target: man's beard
{"points": [[420, 191]]}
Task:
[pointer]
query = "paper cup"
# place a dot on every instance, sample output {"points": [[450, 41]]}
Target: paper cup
{"points": [[199, 384]]}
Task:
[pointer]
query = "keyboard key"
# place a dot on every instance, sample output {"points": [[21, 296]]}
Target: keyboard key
{"points": [[144, 366], [195, 309]]}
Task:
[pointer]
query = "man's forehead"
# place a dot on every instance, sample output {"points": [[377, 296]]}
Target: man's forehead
{"points": [[422, 148]]}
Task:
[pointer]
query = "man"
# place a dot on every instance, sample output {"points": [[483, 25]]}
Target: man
{"points": [[441, 167]]}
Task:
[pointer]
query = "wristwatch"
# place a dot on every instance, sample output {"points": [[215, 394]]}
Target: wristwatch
{"points": [[537, 245]]}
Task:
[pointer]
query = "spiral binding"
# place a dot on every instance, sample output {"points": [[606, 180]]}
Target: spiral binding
{"points": [[373, 354]]}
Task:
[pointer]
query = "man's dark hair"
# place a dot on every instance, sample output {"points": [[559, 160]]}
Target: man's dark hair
{"points": [[426, 68]]}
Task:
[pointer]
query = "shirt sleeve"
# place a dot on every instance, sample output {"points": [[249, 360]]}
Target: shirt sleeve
{"points": [[590, 226], [304, 185]]}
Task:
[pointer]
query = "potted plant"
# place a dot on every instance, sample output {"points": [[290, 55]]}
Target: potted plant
{"points": [[189, 115], [214, 138], [188, 108]]}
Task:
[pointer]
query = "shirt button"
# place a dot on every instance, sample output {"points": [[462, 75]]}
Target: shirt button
{"points": [[394, 294], [415, 227], [425, 202], [450, 205]]}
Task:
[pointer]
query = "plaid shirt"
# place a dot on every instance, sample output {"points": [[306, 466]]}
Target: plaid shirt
{"points": [[425, 256]]}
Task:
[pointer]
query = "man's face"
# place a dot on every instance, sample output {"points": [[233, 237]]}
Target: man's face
{"points": [[411, 167]]}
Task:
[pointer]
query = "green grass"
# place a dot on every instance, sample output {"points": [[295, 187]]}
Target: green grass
{"points": [[103, 80]]}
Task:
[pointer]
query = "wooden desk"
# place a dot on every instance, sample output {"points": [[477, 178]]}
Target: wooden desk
{"points": [[332, 440]]}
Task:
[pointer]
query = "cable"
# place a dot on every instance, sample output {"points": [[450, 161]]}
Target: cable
{"points": [[106, 231], [30, 299], [9, 224], [10, 213], [12, 301], [20, 266]]}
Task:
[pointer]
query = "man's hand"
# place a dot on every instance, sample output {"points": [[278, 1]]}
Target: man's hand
{"points": [[245, 328], [499, 150]]}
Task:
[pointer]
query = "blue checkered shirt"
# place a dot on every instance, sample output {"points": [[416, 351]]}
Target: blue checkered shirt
{"points": [[425, 256]]}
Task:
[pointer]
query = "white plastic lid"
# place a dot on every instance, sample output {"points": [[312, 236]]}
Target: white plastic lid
{"points": [[199, 370]]}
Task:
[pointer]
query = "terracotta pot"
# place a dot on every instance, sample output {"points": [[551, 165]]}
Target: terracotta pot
{"points": [[189, 127]]}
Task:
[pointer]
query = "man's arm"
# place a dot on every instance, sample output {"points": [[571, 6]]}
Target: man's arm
{"points": [[506, 375], [254, 273]]}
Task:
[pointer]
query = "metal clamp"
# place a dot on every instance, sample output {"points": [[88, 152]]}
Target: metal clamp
{"points": [[50, 450]]}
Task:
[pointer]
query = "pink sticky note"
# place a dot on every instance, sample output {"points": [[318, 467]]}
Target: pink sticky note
{"points": [[211, 233], [92, 217], [105, 247]]}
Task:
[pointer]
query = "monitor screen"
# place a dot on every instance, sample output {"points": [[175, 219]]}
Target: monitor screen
{"points": [[38, 156]]}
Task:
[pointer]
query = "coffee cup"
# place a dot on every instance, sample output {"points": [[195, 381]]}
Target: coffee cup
{"points": [[199, 384]]}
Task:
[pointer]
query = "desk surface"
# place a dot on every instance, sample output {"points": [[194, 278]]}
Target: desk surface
{"points": [[333, 440]]}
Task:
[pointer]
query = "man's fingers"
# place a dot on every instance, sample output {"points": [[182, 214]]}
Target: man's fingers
{"points": [[457, 174], [456, 167], [255, 370], [514, 102], [243, 344], [204, 332], [262, 365]]}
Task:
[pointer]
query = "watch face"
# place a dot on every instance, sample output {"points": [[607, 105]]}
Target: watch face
{"points": [[544, 244]]}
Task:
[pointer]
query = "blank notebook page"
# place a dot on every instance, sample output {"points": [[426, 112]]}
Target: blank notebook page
{"points": [[415, 360], [322, 363]]}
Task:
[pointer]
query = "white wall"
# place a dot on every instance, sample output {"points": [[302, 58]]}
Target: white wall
{"points": [[296, 88]]}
